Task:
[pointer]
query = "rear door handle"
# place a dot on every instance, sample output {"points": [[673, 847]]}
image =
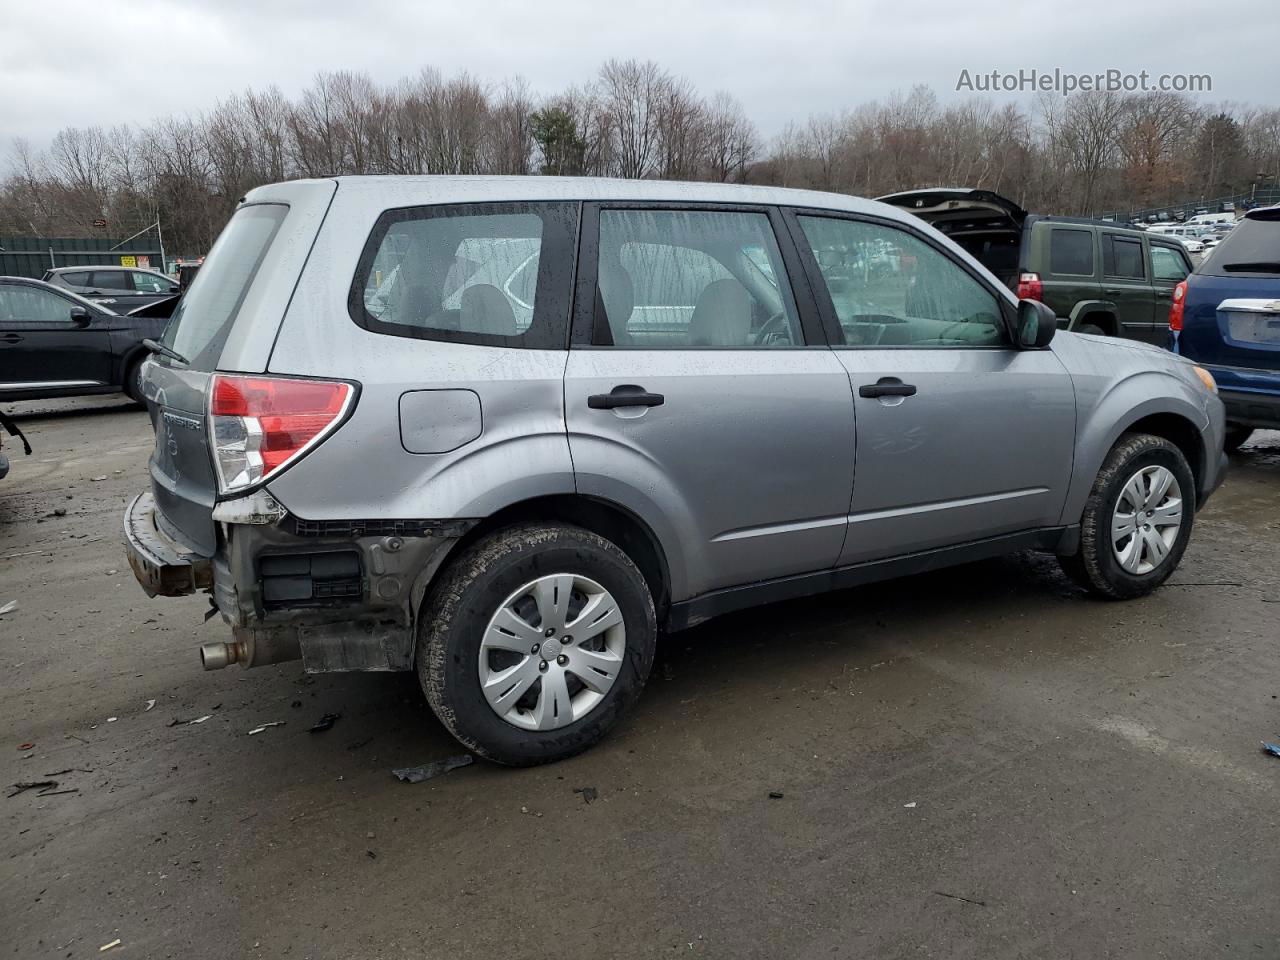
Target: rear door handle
{"points": [[625, 395], [11, 338], [1112, 291], [887, 387]]}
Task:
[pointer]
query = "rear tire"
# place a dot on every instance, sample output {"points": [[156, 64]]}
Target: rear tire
{"points": [[1118, 567], [498, 575], [133, 381], [1092, 329], [1236, 437]]}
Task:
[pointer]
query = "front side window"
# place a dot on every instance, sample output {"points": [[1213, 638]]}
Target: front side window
{"points": [[1122, 258], [150, 283], [890, 288], [1071, 252], [484, 273], [686, 278], [22, 306], [1168, 265]]}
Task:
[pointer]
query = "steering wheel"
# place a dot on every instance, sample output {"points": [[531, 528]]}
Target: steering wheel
{"points": [[777, 326]]}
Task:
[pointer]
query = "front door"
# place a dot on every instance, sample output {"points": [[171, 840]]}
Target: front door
{"points": [[961, 437], [43, 347], [701, 394]]}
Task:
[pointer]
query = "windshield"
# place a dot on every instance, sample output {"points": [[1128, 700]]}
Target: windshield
{"points": [[204, 316]]}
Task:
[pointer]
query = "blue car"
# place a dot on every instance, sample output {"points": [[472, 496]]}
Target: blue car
{"points": [[1226, 317]]}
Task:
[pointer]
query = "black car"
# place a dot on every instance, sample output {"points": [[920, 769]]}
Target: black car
{"points": [[120, 288], [54, 343]]}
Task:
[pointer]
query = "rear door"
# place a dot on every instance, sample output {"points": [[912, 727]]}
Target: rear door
{"points": [[1126, 284], [961, 437], [43, 348], [701, 394], [1074, 265]]}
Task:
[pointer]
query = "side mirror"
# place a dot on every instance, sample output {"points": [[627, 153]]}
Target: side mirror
{"points": [[1037, 323], [80, 316]]}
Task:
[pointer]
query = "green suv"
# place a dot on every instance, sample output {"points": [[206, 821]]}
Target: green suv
{"points": [[1098, 277]]}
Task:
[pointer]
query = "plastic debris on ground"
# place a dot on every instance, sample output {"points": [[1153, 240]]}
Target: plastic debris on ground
{"points": [[588, 793], [433, 769], [9, 607], [114, 943], [1271, 748], [150, 704], [184, 722], [265, 726]]}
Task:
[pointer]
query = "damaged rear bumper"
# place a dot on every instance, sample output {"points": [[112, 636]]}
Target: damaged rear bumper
{"points": [[341, 595], [162, 566]]}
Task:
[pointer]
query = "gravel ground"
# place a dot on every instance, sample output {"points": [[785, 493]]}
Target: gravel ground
{"points": [[975, 763]]}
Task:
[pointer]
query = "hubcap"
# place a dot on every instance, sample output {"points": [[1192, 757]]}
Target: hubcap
{"points": [[1147, 519], [532, 674]]}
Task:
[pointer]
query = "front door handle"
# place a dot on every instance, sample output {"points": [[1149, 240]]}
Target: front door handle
{"points": [[11, 338], [625, 395], [887, 387]]}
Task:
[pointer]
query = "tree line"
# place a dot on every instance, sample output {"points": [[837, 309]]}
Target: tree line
{"points": [[1082, 154]]}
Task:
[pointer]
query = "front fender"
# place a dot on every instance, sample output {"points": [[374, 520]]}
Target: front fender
{"points": [[1115, 410]]}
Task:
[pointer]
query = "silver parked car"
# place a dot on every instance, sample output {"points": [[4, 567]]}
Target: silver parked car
{"points": [[503, 431]]}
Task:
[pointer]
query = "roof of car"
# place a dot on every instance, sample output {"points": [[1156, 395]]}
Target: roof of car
{"points": [[408, 191]]}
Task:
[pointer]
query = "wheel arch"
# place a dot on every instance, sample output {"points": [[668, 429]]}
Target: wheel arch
{"points": [[1102, 313], [609, 519]]}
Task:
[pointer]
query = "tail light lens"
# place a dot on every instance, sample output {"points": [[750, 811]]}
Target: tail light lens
{"points": [[259, 425], [1175, 308], [1030, 287]]}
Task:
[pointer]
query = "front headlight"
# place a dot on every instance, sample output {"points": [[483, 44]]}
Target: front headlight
{"points": [[1207, 379]]}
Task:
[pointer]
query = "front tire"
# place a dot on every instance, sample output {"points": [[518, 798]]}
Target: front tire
{"points": [[535, 641], [1137, 520]]}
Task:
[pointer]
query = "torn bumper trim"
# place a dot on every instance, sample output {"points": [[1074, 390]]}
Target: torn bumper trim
{"points": [[163, 567]]}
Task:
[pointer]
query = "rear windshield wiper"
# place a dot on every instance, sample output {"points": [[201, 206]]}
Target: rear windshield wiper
{"points": [[1261, 266], [155, 346]]}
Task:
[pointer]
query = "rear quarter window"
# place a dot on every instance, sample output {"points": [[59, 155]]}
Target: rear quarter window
{"points": [[493, 274], [1071, 252], [204, 317]]}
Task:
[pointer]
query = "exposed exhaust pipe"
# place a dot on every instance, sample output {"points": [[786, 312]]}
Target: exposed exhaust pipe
{"points": [[215, 656], [252, 648]]}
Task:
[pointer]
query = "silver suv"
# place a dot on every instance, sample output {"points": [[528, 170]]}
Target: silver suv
{"points": [[505, 431]]}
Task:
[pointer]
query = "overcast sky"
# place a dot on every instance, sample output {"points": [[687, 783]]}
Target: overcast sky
{"points": [[104, 62]]}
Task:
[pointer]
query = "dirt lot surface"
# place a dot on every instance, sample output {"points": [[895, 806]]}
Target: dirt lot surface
{"points": [[978, 763]]}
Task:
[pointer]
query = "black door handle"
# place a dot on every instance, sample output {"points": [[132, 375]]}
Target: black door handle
{"points": [[10, 338], [625, 395], [887, 387]]}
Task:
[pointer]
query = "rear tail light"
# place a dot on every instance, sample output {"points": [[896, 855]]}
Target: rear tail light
{"points": [[259, 425], [1175, 307], [1030, 287]]}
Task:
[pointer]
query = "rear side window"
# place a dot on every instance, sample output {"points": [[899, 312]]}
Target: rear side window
{"points": [[1252, 248], [691, 279], [494, 274], [1122, 257], [1071, 252], [203, 320], [75, 281], [150, 283], [111, 281], [1168, 264]]}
